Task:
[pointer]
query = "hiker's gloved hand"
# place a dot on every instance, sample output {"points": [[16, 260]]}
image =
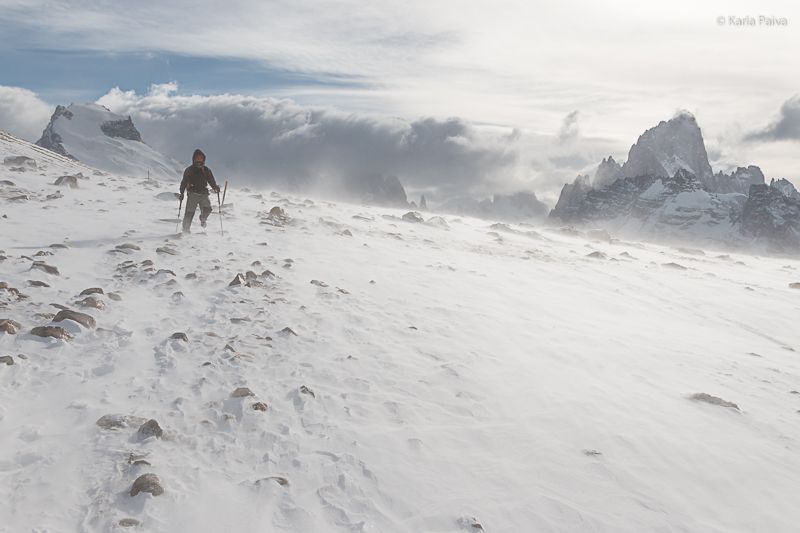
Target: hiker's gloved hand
{"points": [[181, 196], [216, 188]]}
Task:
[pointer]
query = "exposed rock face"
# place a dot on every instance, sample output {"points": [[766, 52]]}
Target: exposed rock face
{"points": [[670, 146], [571, 198], [771, 216], [608, 171], [123, 129], [738, 181], [50, 139]]}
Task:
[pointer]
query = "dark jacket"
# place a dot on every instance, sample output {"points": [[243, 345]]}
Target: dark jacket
{"points": [[196, 180]]}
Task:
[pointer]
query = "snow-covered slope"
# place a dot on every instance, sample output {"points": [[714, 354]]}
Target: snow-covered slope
{"points": [[442, 376], [92, 134]]}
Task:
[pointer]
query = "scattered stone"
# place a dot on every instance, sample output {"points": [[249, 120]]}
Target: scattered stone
{"points": [[238, 280], [191, 275], [55, 332], [346, 233], [242, 392], [250, 276], [288, 331], [150, 429], [129, 522], [703, 397], [165, 250], [9, 326], [470, 523], [93, 290], [59, 246], [318, 283], [19, 161], [165, 271], [795, 285], [591, 453], [147, 483], [674, 266], [342, 291], [240, 320], [267, 274], [83, 319], [282, 481], [259, 406], [41, 265], [128, 246], [37, 283], [413, 216], [59, 306], [42, 253], [277, 212], [306, 390], [180, 336], [67, 181], [8, 360], [597, 255], [116, 421], [94, 303], [114, 296]]}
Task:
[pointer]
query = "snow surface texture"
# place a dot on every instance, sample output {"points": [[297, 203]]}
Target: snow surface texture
{"points": [[437, 376], [94, 135]]}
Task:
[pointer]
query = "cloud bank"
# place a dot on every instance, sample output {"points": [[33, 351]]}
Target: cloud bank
{"points": [[265, 141], [22, 113], [785, 128]]}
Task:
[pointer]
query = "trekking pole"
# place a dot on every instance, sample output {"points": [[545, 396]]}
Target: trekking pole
{"points": [[219, 207], [180, 205], [224, 192]]}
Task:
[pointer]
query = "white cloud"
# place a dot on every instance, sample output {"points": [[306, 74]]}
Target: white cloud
{"points": [[22, 113]]}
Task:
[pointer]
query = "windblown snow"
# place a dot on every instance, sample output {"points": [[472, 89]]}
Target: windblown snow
{"points": [[373, 372]]}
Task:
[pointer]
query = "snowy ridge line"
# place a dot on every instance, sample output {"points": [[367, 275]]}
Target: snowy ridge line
{"points": [[345, 368], [13, 144]]}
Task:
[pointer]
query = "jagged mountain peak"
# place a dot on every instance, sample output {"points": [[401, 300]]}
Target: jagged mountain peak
{"points": [[671, 145]]}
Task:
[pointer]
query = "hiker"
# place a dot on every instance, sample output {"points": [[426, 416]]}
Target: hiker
{"points": [[195, 181]]}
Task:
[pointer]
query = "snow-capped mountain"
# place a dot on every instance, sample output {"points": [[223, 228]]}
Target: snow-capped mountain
{"points": [[92, 134], [670, 146], [738, 181], [666, 191], [786, 187], [366, 371]]}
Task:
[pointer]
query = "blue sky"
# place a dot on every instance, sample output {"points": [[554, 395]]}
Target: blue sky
{"points": [[64, 76]]}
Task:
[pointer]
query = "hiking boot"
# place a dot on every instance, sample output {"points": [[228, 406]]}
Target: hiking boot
{"points": [[203, 223]]}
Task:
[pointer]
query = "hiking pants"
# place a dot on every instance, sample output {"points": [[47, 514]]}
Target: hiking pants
{"points": [[193, 199]]}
